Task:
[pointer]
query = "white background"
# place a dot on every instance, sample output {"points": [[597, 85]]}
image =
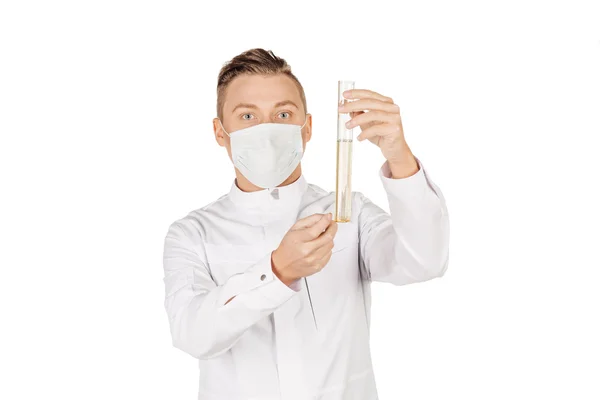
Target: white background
{"points": [[105, 116]]}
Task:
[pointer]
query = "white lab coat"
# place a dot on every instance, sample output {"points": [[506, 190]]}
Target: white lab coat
{"points": [[270, 342]]}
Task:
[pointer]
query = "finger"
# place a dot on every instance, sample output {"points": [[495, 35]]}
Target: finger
{"points": [[369, 104], [355, 113], [315, 258], [325, 238], [379, 130], [323, 250], [314, 231], [372, 116], [323, 261], [366, 94], [308, 221]]}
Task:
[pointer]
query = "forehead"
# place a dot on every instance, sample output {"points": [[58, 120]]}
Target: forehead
{"points": [[263, 91]]}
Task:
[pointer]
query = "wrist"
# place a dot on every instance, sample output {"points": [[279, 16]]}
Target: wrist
{"points": [[286, 280], [403, 169]]}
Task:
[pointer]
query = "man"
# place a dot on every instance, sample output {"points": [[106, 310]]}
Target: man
{"points": [[262, 286]]}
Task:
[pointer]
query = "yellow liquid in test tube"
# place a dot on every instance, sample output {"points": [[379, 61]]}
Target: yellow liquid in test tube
{"points": [[343, 189]]}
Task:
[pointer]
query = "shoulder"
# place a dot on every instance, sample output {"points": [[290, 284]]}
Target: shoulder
{"points": [[325, 199], [194, 224], [317, 191]]}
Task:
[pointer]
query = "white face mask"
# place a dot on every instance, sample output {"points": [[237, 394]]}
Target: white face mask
{"points": [[266, 154]]}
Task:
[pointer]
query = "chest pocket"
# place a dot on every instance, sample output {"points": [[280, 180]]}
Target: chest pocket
{"points": [[333, 289], [345, 238], [343, 264], [225, 260]]}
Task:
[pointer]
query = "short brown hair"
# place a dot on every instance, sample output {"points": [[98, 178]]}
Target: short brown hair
{"points": [[253, 62]]}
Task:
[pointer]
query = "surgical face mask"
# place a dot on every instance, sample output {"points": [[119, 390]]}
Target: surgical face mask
{"points": [[266, 154]]}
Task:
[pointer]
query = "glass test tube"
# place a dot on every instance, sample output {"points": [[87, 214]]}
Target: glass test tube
{"points": [[343, 189]]}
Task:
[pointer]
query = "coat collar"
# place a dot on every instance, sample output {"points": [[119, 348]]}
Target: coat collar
{"points": [[281, 196]]}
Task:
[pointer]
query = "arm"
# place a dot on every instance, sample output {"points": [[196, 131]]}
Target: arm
{"points": [[201, 322], [411, 243]]}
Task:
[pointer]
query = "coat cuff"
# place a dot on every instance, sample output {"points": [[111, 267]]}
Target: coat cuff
{"points": [[259, 277], [409, 189]]}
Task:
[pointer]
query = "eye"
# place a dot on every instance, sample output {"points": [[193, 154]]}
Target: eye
{"points": [[247, 117], [284, 114]]}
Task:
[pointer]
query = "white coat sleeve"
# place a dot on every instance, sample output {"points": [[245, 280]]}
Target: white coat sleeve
{"points": [[411, 242], [201, 323]]}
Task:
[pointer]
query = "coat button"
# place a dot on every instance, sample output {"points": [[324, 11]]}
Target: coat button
{"points": [[263, 277]]}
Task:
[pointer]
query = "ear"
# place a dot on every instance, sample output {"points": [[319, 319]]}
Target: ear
{"points": [[307, 130], [220, 135]]}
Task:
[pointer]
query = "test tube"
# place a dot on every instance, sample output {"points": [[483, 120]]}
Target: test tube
{"points": [[343, 189]]}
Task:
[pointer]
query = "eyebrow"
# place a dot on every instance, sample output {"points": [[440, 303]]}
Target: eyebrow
{"points": [[279, 104], [286, 103]]}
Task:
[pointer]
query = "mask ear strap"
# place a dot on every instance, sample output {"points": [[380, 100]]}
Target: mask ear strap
{"points": [[222, 127], [305, 120]]}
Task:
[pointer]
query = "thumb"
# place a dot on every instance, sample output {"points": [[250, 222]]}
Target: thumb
{"points": [[308, 221]]}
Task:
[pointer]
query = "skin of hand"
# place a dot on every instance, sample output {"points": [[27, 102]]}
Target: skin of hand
{"points": [[380, 122], [305, 249]]}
